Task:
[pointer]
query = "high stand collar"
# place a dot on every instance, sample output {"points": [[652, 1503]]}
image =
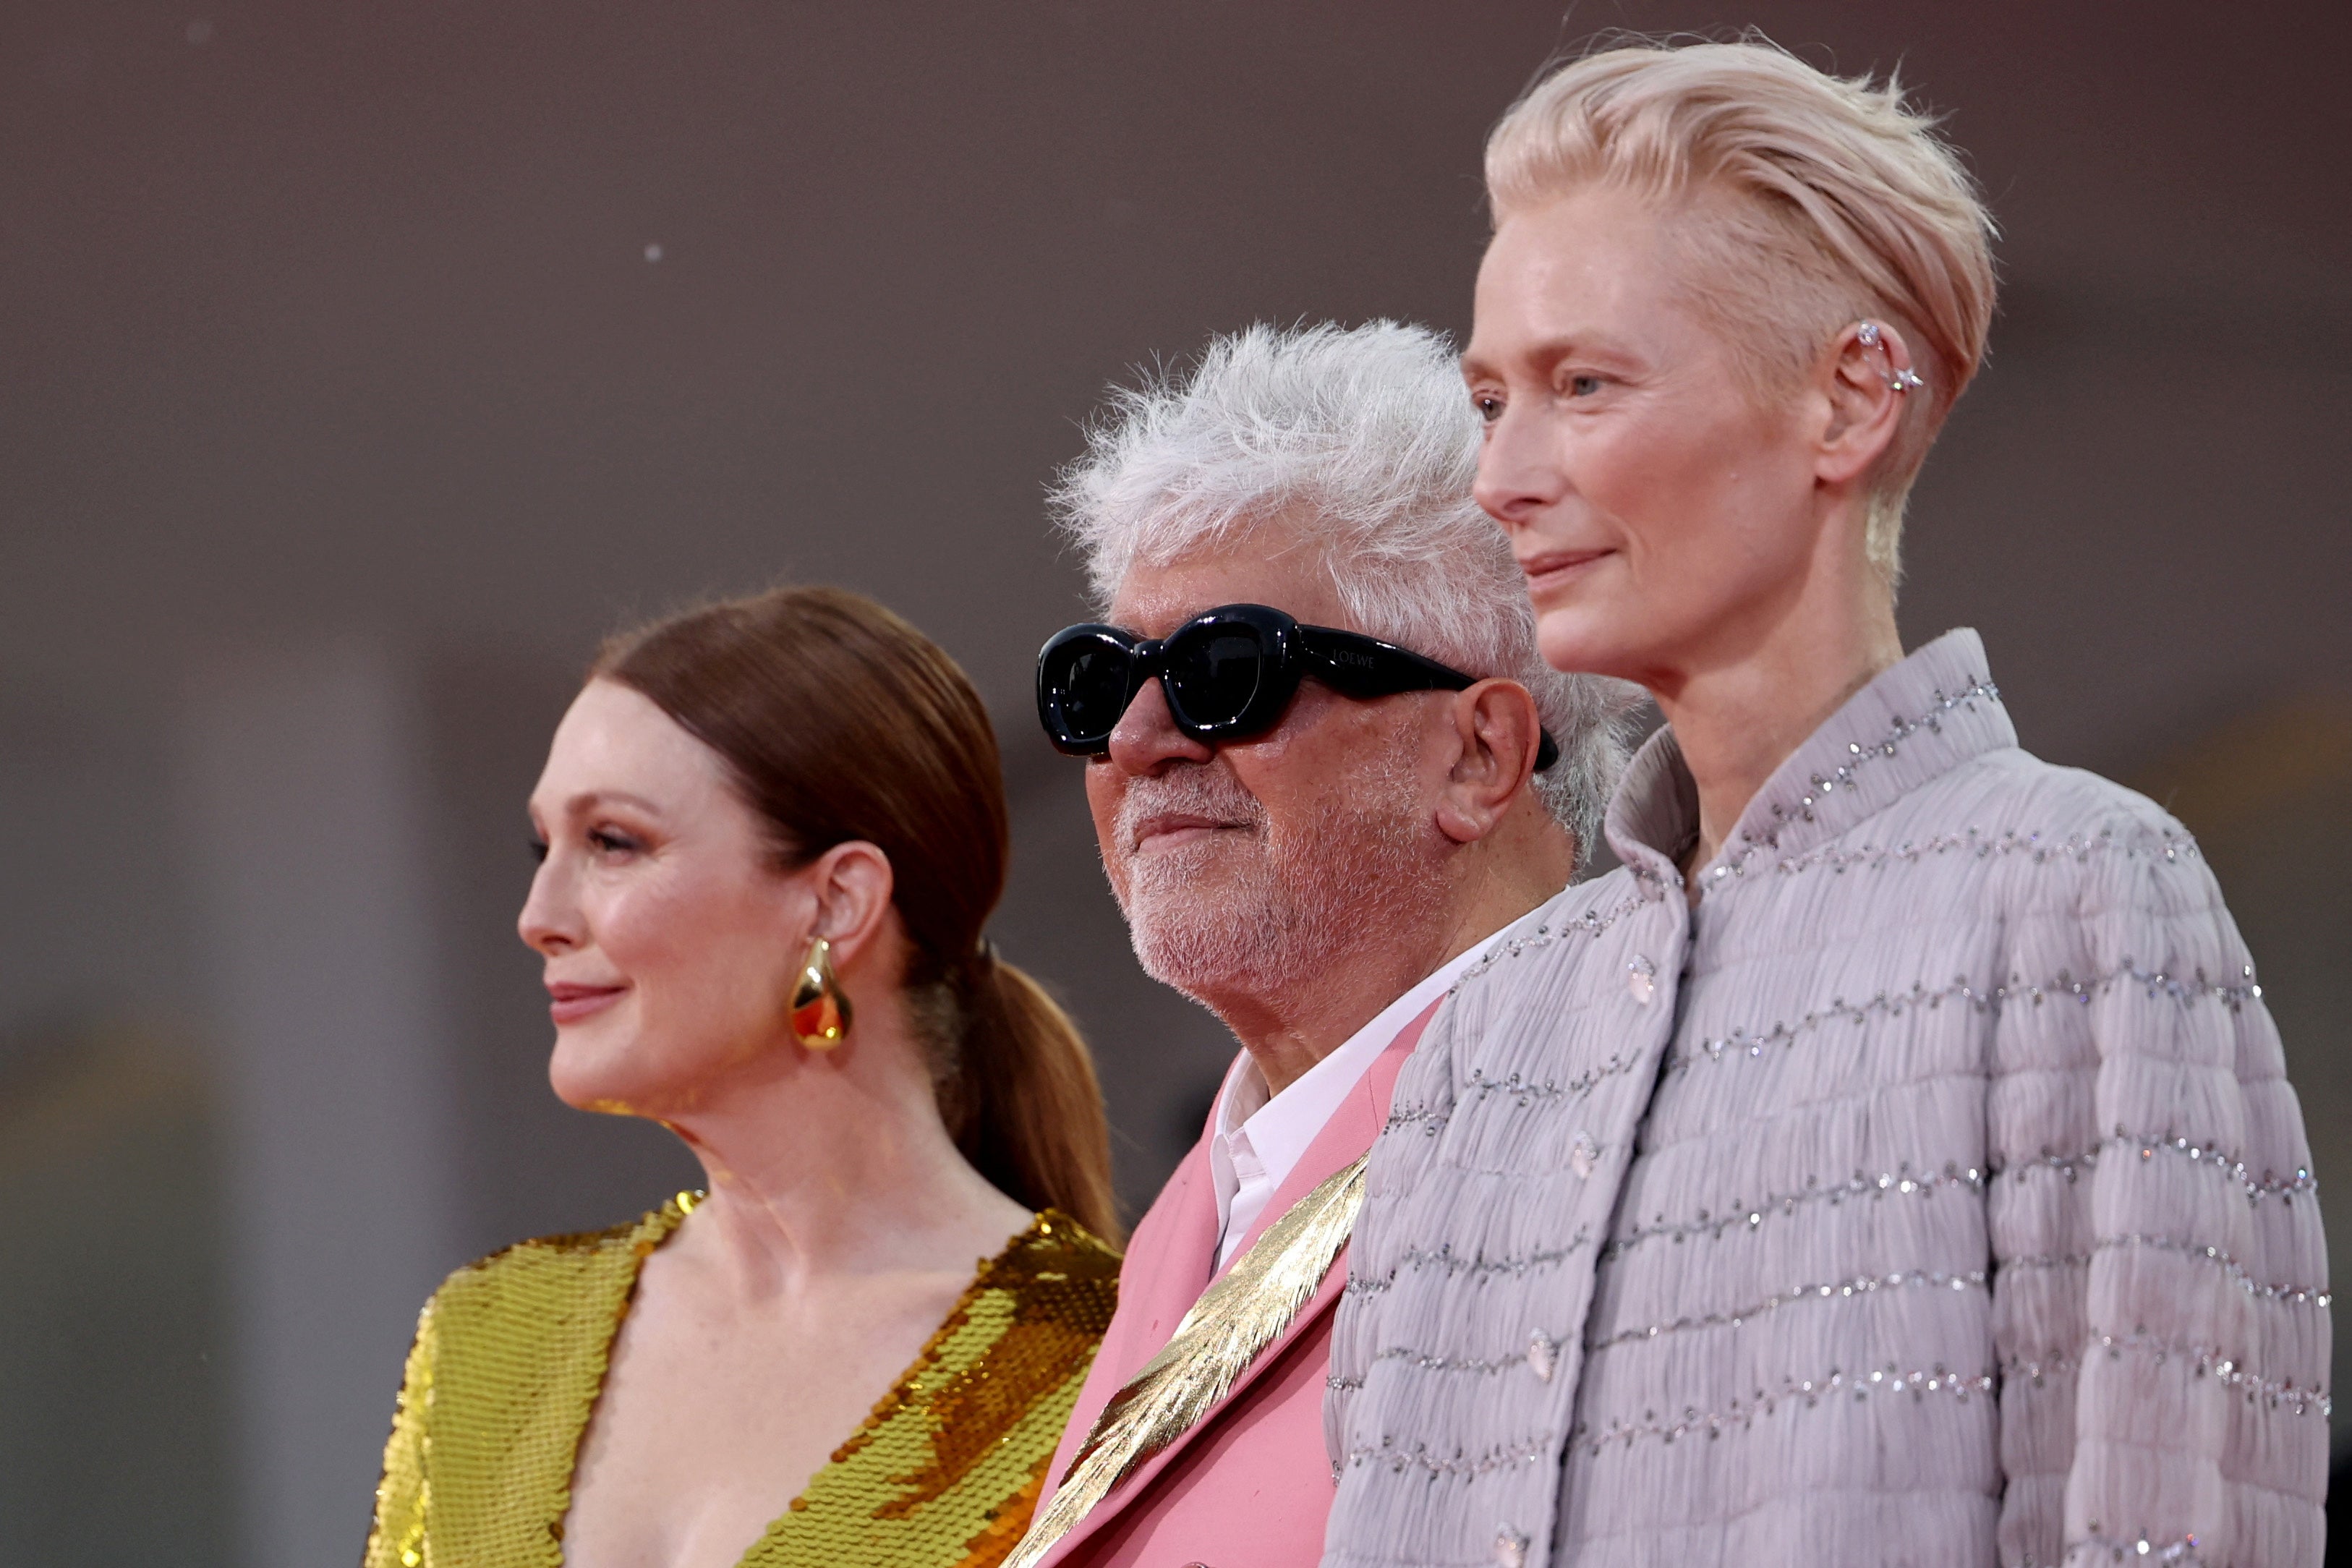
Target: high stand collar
{"points": [[1911, 725]]}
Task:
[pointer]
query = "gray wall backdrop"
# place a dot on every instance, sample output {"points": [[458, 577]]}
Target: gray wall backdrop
{"points": [[361, 365]]}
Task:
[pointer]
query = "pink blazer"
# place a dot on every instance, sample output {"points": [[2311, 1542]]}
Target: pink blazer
{"points": [[1250, 1485]]}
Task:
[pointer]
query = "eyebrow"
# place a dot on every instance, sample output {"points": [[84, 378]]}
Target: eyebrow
{"points": [[588, 800], [1546, 352]]}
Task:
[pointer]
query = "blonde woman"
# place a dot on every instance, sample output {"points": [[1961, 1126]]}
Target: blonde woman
{"points": [[770, 832], [1893, 1162]]}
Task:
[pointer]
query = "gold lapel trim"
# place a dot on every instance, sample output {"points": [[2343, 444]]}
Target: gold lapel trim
{"points": [[1228, 1329]]}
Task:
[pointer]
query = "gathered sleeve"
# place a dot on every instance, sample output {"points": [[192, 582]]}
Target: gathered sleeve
{"points": [[2160, 1281], [396, 1540]]}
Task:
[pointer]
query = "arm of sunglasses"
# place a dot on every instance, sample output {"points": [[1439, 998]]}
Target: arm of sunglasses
{"points": [[1358, 666], [1363, 666]]}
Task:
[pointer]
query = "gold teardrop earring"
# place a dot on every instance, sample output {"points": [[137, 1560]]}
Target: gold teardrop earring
{"points": [[820, 1006]]}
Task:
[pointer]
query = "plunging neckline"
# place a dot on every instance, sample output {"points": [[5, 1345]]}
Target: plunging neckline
{"points": [[903, 1387]]}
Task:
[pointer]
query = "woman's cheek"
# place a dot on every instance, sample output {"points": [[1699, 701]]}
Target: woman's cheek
{"points": [[643, 930]]}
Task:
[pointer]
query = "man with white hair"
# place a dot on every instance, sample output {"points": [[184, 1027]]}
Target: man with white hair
{"points": [[1329, 769]]}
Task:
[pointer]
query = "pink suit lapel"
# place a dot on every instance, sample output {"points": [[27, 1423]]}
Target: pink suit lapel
{"points": [[1193, 1238], [1166, 1267]]}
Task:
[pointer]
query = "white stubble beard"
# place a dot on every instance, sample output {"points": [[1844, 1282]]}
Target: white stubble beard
{"points": [[1288, 904]]}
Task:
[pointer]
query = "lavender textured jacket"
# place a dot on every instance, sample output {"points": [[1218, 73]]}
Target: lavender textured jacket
{"points": [[1929, 1194]]}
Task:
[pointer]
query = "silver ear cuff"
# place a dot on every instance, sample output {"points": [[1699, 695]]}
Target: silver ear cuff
{"points": [[1902, 380]]}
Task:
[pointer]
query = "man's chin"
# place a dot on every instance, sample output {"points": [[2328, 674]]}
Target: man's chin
{"points": [[1167, 903], [1207, 946], [1181, 889], [1185, 967]]}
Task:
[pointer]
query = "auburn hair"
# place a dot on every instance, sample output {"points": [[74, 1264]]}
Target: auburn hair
{"points": [[840, 722]]}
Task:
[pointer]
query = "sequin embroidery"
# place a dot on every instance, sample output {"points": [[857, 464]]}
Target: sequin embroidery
{"points": [[511, 1354]]}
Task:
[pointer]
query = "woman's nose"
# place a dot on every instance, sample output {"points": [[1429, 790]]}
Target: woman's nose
{"points": [[1147, 739], [1519, 472], [548, 924]]}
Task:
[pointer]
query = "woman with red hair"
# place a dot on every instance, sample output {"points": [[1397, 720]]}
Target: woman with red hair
{"points": [[770, 832]]}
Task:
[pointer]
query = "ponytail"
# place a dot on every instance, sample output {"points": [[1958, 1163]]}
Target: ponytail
{"points": [[1023, 1105]]}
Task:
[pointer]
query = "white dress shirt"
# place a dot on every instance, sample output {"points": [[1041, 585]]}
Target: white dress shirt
{"points": [[1260, 1136]]}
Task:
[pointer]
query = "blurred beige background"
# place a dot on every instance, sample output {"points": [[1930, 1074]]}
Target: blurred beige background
{"points": [[361, 365]]}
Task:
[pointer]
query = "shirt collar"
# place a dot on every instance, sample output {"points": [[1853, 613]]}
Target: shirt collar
{"points": [[1280, 1127], [1912, 723]]}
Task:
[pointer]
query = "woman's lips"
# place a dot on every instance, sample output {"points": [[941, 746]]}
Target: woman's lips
{"points": [[1556, 569], [568, 1003]]}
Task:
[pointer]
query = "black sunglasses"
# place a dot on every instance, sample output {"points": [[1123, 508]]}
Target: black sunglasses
{"points": [[1228, 674]]}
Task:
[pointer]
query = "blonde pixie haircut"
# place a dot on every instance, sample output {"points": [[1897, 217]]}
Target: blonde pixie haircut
{"points": [[1801, 203]]}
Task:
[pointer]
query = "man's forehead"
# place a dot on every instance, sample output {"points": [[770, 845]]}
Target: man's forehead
{"points": [[1156, 597]]}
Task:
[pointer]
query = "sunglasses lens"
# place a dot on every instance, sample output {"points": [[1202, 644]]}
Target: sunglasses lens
{"points": [[1088, 686], [1215, 673]]}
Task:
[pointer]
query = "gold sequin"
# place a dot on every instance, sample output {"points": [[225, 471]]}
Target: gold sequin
{"points": [[511, 1354]]}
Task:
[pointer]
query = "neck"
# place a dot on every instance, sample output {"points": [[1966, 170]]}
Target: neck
{"points": [[833, 1165], [1764, 683], [1289, 1029]]}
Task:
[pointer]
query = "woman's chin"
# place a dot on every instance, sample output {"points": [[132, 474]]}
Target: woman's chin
{"points": [[586, 1079], [600, 1099]]}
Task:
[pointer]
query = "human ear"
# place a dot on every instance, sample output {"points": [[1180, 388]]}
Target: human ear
{"points": [[1867, 380], [1497, 733], [853, 885]]}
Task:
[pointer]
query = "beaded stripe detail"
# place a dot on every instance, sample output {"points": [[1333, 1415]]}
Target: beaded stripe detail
{"points": [[1741, 1413], [2179, 1553], [1991, 1000], [1858, 756], [2207, 1362], [2078, 847], [1842, 1290], [1443, 1260], [1434, 1363], [1900, 1181], [1592, 923], [2269, 1184], [1521, 1091], [1501, 1457], [2231, 1269]]}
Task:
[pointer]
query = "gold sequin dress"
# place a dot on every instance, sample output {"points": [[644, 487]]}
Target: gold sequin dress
{"points": [[511, 1354]]}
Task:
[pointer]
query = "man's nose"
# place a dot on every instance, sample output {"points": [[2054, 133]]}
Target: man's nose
{"points": [[1147, 739]]}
